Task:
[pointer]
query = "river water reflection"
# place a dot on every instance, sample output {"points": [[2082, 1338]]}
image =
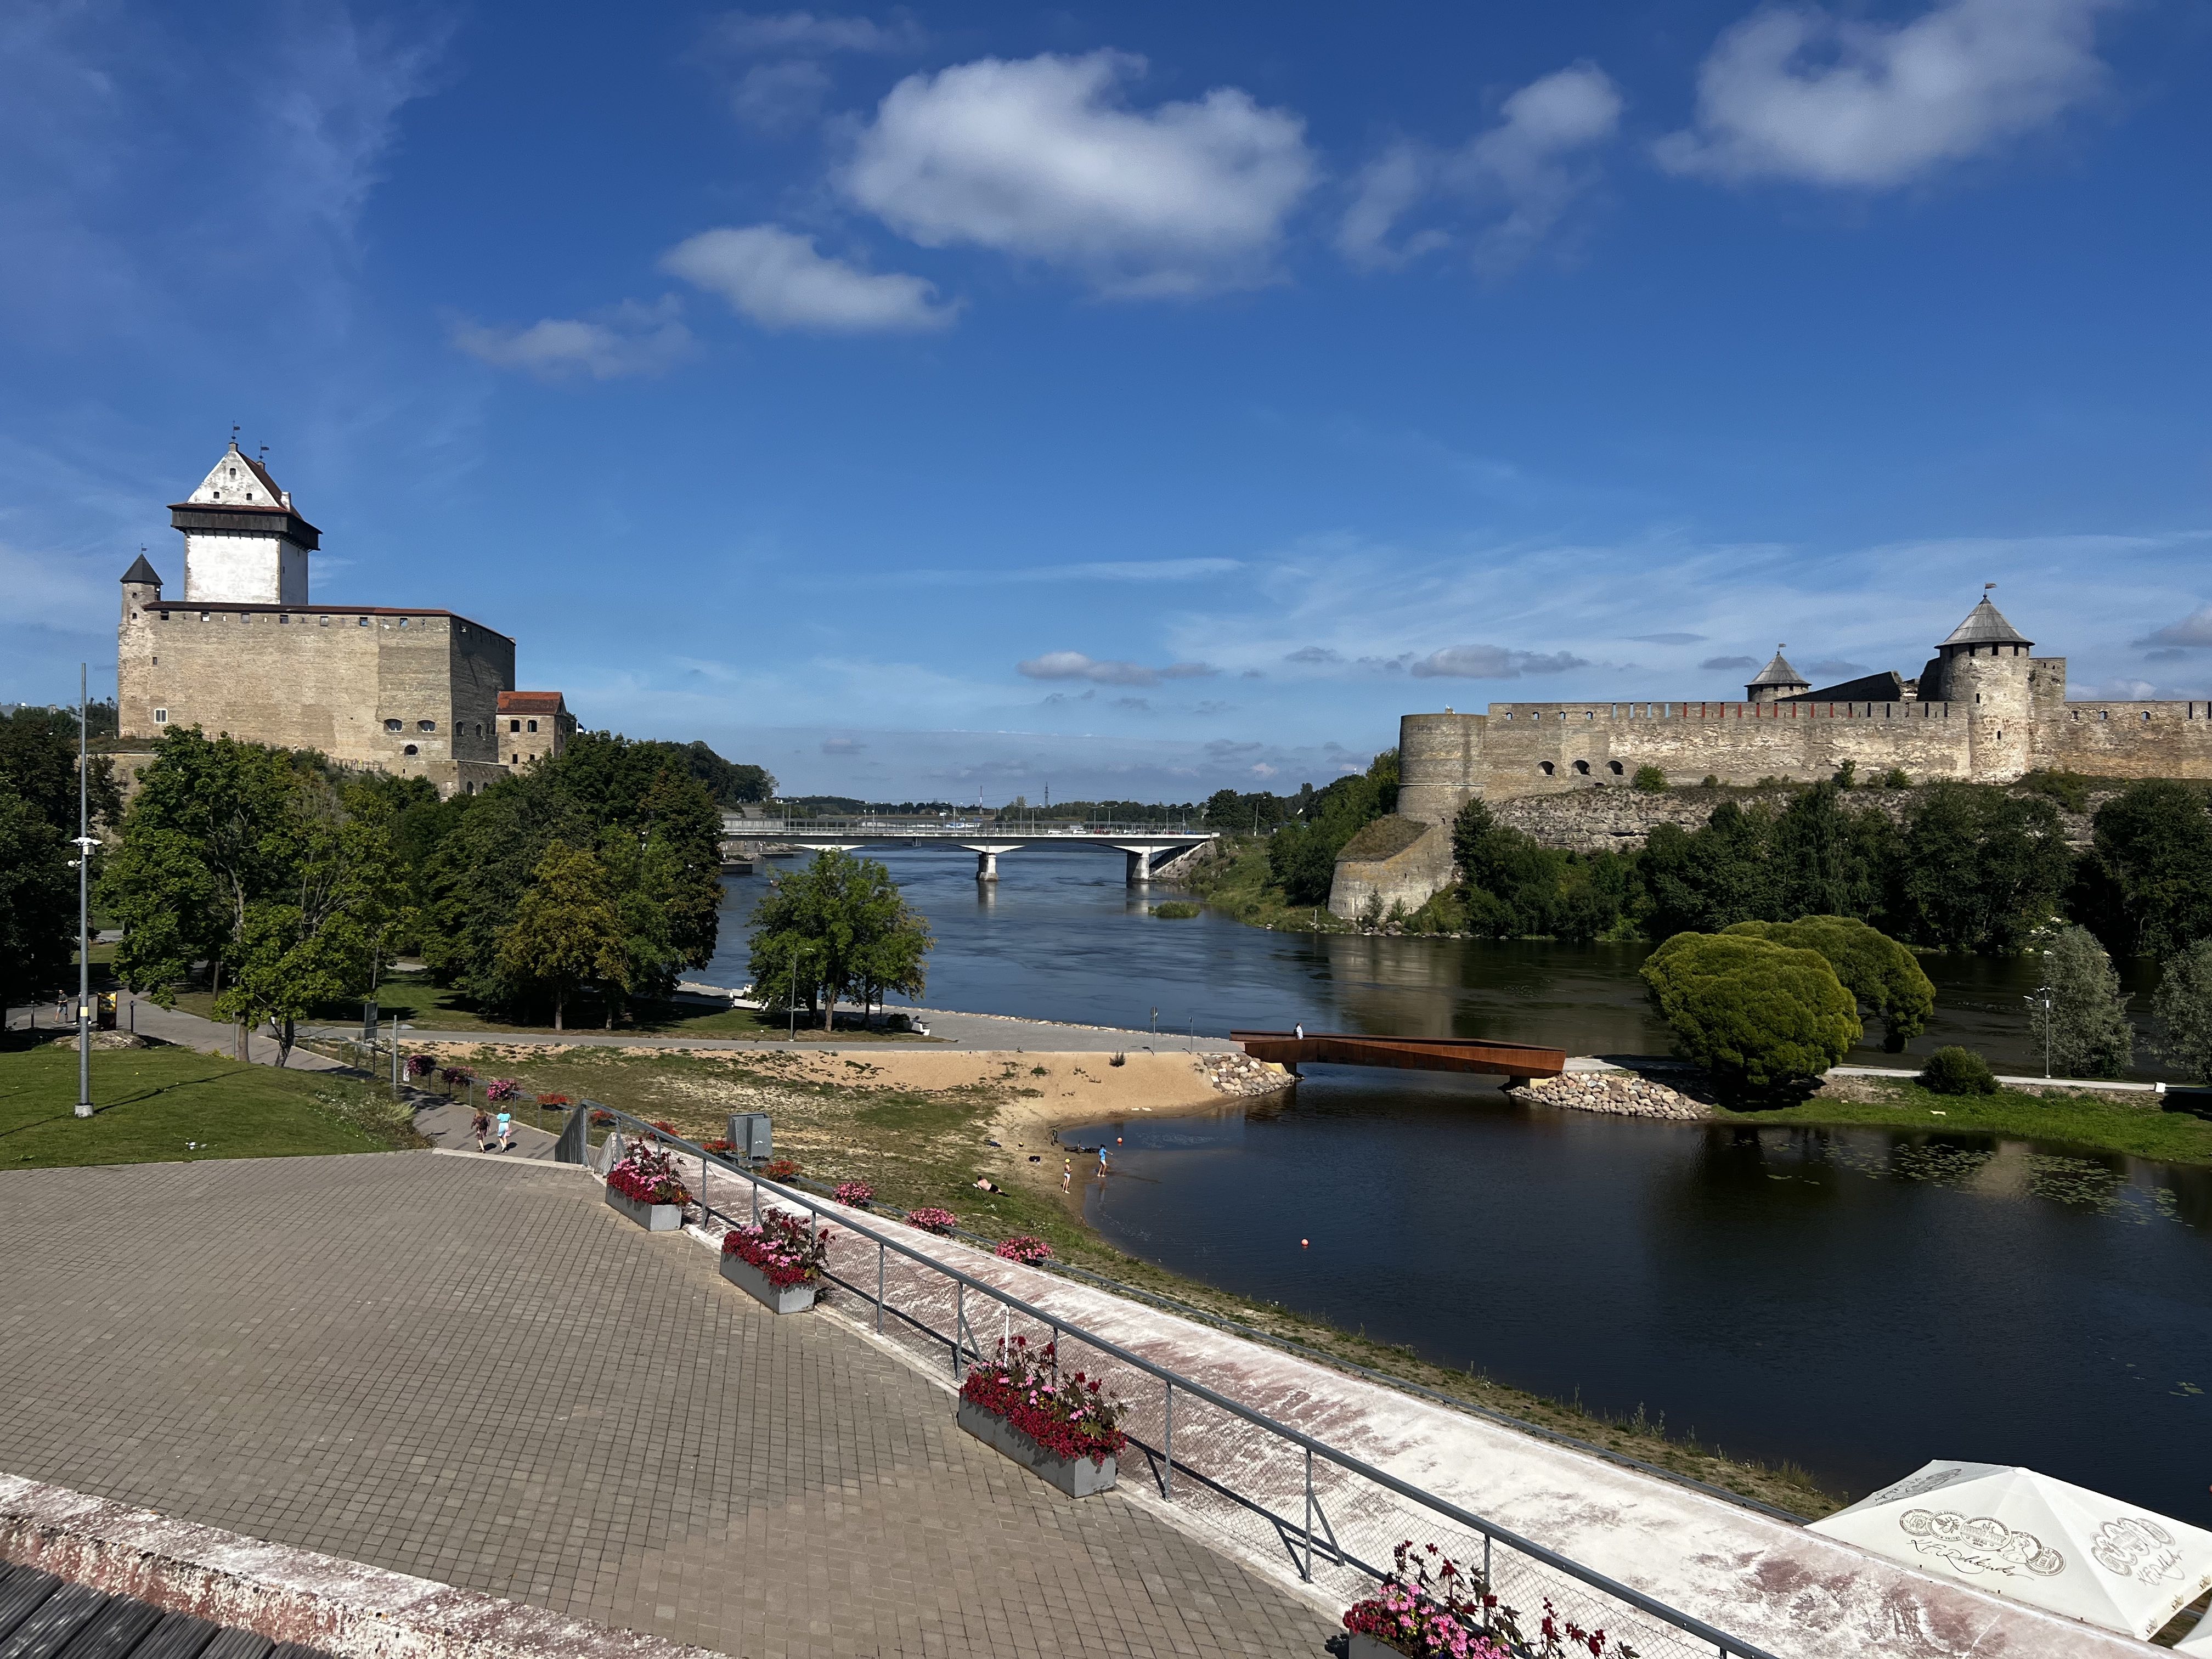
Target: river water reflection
{"points": [[1855, 1301]]}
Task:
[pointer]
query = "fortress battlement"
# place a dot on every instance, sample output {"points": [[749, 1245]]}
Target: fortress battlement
{"points": [[1984, 710]]}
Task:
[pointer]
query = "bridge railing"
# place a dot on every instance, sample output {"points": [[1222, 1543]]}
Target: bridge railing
{"points": [[967, 829], [1326, 1515]]}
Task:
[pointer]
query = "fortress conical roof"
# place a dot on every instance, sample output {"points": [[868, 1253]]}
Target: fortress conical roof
{"points": [[143, 572], [1779, 672], [1986, 625]]}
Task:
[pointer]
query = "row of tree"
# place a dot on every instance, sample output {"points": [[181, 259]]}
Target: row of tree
{"points": [[288, 881], [38, 819], [1966, 868]]}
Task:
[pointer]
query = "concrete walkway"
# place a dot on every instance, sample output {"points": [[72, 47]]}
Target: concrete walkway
{"points": [[475, 1372]]}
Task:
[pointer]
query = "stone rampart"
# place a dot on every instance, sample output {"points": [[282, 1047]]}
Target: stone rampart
{"points": [[1405, 867]]}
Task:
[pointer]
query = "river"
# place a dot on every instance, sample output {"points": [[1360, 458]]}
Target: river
{"points": [[1853, 1301]]}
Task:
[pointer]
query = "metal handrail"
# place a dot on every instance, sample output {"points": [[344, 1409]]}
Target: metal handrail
{"points": [[1688, 1624]]}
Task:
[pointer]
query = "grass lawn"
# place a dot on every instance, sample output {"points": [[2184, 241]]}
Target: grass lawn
{"points": [[164, 1104], [414, 999], [2097, 1123], [917, 1148]]}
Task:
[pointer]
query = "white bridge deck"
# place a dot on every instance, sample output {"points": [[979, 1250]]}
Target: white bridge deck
{"points": [[1147, 846]]}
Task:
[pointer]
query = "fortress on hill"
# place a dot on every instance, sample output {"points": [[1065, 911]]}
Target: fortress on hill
{"points": [[1985, 709], [424, 693]]}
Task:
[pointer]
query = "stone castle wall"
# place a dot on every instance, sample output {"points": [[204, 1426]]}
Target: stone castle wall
{"points": [[320, 677]]}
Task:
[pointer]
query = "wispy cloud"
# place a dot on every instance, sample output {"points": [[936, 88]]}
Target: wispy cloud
{"points": [[813, 32], [632, 339], [1492, 662], [1516, 180], [1668, 639], [1717, 665], [1074, 665], [2191, 632]]}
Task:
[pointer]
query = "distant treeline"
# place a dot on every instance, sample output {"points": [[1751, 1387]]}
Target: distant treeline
{"points": [[1969, 867]]}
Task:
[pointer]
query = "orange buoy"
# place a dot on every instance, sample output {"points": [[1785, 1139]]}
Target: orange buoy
{"points": [[1303, 1243]]}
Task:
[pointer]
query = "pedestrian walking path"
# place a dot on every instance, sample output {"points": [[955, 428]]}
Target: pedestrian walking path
{"points": [[475, 1372]]}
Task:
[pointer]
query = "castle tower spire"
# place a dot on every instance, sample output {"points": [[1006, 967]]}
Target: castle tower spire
{"points": [[244, 544], [1776, 681]]}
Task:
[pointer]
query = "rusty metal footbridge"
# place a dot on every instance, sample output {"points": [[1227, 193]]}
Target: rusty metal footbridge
{"points": [[1290, 1049]]}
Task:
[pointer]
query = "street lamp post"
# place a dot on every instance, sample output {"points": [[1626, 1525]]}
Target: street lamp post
{"points": [[2042, 996], [84, 844]]}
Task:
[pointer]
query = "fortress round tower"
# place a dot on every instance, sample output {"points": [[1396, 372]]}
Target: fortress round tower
{"points": [[1984, 673]]}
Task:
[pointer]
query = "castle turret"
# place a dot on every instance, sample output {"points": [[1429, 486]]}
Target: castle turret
{"points": [[1776, 681], [134, 666], [244, 545], [1986, 678]]}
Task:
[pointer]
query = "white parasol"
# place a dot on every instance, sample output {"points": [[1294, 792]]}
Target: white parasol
{"points": [[2013, 1532]]}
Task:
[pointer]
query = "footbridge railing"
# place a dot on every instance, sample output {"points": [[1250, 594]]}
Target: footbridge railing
{"points": [[1329, 1516]]}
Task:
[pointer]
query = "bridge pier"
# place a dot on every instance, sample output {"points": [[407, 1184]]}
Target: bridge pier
{"points": [[1140, 867], [987, 859]]}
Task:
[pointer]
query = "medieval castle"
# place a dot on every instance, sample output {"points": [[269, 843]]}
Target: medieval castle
{"points": [[1983, 710], [421, 693]]}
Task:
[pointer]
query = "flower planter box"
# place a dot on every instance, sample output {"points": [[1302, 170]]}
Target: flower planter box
{"points": [[1364, 1646], [654, 1217], [1078, 1477], [778, 1298]]}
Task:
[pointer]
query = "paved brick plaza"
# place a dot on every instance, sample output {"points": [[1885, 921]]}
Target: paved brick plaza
{"points": [[480, 1374]]}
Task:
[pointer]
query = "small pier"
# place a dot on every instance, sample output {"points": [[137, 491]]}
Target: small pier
{"points": [[1411, 1054]]}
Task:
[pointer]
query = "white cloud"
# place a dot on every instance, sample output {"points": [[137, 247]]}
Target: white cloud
{"points": [[635, 340], [1043, 158], [800, 32], [842, 746], [1521, 175], [1074, 665], [1720, 665], [1796, 92], [1492, 662], [776, 277]]}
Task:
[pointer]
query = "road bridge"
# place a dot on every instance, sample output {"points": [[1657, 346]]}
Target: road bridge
{"points": [[1148, 847]]}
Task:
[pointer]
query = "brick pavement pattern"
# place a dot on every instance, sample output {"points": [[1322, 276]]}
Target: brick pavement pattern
{"points": [[479, 1373]]}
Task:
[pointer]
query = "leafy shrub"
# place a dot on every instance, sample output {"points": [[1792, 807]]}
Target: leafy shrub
{"points": [[2070, 789], [2085, 1033], [1649, 780], [1873, 966], [1177, 910], [1956, 1071], [1895, 779], [1755, 1014]]}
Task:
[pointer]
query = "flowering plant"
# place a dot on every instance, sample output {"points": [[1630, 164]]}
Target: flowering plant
{"points": [[553, 1100], [1069, 1417], [788, 1249], [1023, 1248], [781, 1169], [603, 1119], [646, 1175], [720, 1144], [1437, 1609], [502, 1088], [931, 1220], [422, 1064], [856, 1194], [457, 1074]]}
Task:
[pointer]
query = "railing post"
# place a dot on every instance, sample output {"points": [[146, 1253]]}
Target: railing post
{"points": [[1488, 1593], [1167, 1476], [879, 1287], [959, 1320], [1306, 1573]]}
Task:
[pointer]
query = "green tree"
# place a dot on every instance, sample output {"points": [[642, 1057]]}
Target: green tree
{"points": [[2147, 883], [2085, 1032], [1979, 869], [568, 930], [38, 901], [1649, 780], [1828, 858], [37, 762], [1513, 887], [1701, 881], [1876, 969], [1302, 857], [1757, 1015], [730, 783], [2183, 1006], [838, 925]]}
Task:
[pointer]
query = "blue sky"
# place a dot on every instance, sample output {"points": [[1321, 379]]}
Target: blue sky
{"points": [[1134, 400]]}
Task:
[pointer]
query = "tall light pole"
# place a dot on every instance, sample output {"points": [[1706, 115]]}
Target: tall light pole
{"points": [[2042, 995], [84, 844]]}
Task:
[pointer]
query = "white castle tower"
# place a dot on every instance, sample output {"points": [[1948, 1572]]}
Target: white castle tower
{"points": [[243, 543]]}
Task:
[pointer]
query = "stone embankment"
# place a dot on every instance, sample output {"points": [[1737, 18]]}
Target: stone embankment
{"points": [[1240, 1074], [1620, 1094]]}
